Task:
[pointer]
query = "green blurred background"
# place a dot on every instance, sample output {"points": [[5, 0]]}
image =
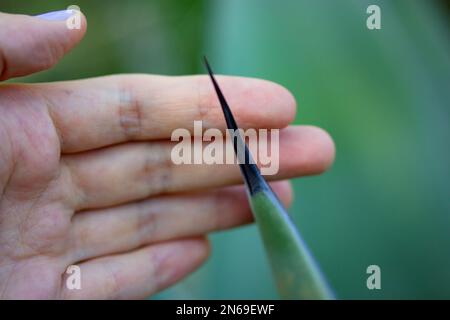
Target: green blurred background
{"points": [[383, 95]]}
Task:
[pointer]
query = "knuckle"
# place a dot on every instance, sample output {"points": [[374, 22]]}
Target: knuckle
{"points": [[130, 111]]}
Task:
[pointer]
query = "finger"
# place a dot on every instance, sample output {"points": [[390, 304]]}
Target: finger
{"points": [[123, 228], [99, 112], [31, 44], [140, 273], [131, 172]]}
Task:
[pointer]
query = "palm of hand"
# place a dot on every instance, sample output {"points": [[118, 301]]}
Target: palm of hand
{"points": [[86, 176]]}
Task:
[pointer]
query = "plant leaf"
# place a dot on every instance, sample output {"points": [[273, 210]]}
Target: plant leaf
{"points": [[296, 274]]}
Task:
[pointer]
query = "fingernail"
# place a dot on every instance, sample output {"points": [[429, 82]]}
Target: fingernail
{"points": [[60, 15]]}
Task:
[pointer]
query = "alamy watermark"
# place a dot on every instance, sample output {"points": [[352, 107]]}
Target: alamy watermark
{"points": [[213, 147], [374, 280], [73, 281], [74, 21], [373, 21]]}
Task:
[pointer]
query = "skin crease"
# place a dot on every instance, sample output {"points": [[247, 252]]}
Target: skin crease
{"points": [[86, 176]]}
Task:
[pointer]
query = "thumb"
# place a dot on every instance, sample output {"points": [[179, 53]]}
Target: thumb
{"points": [[30, 44]]}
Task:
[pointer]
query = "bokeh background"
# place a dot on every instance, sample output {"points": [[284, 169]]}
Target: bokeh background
{"points": [[383, 95]]}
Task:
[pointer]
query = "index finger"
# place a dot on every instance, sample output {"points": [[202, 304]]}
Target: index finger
{"points": [[98, 112]]}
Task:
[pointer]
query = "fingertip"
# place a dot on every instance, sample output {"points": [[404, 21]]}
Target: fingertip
{"points": [[324, 143], [256, 103], [284, 191], [286, 102], [186, 255], [198, 249], [78, 33], [174, 260], [31, 43], [67, 31], [273, 105], [307, 150], [205, 250]]}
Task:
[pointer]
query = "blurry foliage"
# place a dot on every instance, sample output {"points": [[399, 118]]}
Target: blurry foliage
{"points": [[383, 95], [127, 37]]}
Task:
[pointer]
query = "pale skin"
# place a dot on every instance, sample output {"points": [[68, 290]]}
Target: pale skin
{"points": [[86, 176]]}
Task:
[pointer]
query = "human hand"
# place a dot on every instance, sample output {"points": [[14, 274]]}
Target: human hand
{"points": [[86, 176]]}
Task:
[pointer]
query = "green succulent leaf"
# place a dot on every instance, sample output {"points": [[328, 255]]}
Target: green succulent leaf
{"points": [[296, 274]]}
